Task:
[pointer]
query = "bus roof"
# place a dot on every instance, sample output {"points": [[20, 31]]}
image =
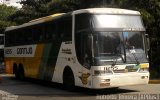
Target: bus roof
{"points": [[47, 17], [90, 10], [35, 21], [107, 11]]}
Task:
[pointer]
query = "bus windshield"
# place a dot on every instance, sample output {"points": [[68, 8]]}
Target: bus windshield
{"points": [[119, 47], [104, 22], [116, 38], [116, 21]]}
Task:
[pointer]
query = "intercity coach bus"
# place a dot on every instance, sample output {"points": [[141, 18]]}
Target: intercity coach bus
{"points": [[92, 48]]}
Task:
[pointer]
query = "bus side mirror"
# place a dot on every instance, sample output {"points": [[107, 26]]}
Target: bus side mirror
{"points": [[147, 42]]}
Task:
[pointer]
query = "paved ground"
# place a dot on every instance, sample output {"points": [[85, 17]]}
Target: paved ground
{"points": [[12, 89]]}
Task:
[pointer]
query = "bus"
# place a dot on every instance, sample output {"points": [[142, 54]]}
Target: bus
{"points": [[93, 48], [1, 47], [2, 51]]}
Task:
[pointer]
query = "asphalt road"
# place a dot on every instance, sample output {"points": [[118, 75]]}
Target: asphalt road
{"points": [[12, 89]]}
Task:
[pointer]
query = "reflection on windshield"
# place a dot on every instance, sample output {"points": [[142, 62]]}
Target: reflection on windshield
{"points": [[117, 21], [108, 46], [134, 47], [106, 43], [119, 46]]}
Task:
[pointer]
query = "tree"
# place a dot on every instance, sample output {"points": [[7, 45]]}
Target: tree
{"points": [[5, 13], [30, 10]]}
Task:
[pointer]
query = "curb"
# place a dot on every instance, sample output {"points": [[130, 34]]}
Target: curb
{"points": [[154, 81], [6, 75]]}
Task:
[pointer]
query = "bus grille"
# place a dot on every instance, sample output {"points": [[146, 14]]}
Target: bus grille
{"points": [[125, 70], [120, 71]]}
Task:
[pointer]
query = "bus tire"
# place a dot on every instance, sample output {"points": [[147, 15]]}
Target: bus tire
{"points": [[68, 79], [15, 71], [21, 74]]}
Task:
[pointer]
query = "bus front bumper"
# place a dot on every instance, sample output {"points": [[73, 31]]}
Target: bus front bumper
{"points": [[117, 80]]}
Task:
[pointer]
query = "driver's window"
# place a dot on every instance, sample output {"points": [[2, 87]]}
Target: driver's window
{"points": [[83, 49], [86, 51]]}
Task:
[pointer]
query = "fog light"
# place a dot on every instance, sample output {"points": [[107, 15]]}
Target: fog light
{"points": [[144, 77], [104, 84], [102, 72], [105, 80], [144, 70]]}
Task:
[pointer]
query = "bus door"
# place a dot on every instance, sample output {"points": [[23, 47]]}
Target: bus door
{"points": [[84, 55]]}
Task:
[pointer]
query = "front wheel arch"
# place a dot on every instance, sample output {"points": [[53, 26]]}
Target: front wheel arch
{"points": [[21, 74], [68, 79], [15, 68]]}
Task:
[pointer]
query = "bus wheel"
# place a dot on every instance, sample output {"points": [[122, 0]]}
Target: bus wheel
{"points": [[15, 71], [21, 72], [68, 80]]}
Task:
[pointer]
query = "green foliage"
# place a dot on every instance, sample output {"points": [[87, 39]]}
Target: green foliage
{"points": [[56, 6], [30, 10], [5, 13]]}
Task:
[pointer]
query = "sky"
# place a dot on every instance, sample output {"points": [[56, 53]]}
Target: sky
{"points": [[12, 3]]}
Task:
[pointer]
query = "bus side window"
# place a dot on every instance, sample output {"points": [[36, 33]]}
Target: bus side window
{"points": [[19, 37], [61, 27], [7, 39], [27, 35], [13, 38], [68, 29], [50, 31], [1, 40], [82, 21], [38, 33], [65, 28]]}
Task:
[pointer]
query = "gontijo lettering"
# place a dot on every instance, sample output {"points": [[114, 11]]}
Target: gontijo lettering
{"points": [[8, 51], [24, 50]]}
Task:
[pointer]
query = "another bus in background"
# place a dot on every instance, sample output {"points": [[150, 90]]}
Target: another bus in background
{"points": [[2, 70]]}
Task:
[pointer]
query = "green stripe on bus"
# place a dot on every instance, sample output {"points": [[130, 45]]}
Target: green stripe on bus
{"points": [[49, 58]]}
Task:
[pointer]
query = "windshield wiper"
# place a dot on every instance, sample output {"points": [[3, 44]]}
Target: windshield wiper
{"points": [[135, 57], [115, 62], [133, 53]]}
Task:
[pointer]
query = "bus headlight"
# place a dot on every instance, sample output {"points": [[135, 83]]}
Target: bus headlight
{"points": [[102, 72], [144, 70]]}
